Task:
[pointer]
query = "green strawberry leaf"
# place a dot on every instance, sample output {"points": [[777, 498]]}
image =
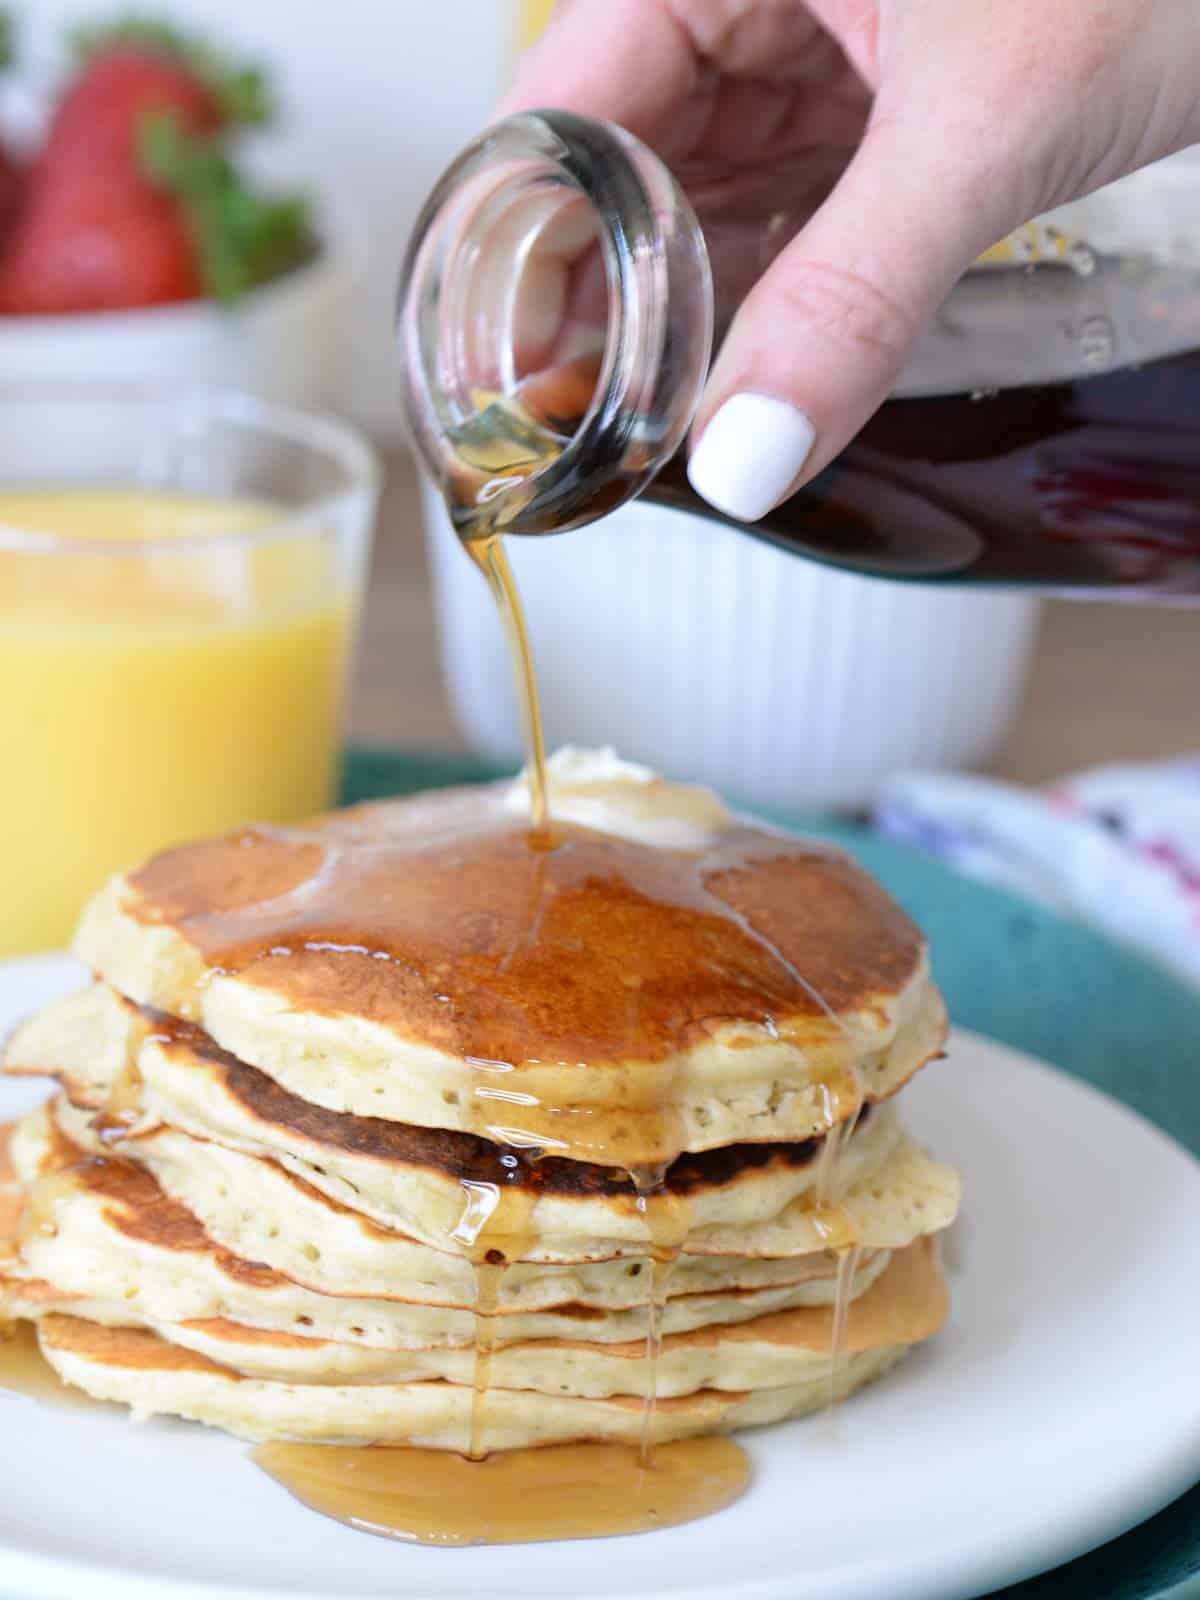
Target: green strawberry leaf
{"points": [[8, 38], [242, 237]]}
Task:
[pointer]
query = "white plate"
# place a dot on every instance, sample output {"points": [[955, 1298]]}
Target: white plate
{"points": [[1060, 1406]]}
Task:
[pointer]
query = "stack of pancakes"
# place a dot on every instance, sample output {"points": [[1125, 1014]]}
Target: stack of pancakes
{"points": [[408, 1126]]}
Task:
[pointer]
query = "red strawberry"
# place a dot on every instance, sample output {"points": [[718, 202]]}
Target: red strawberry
{"points": [[12, 182], [97, 120], [95, 242], [133, 200], [11, 177], [138, 67]]}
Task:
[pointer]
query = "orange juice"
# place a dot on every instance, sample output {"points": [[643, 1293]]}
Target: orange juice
{"points": [[155, 692]]}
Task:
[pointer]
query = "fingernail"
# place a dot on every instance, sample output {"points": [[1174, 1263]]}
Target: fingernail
{"points": [[749, 454]]}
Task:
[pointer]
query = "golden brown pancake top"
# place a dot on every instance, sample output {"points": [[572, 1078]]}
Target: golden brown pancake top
{"points": [[482, 941]]}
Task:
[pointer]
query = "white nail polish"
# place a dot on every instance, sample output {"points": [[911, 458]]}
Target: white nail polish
{"points": [[749, 454]]}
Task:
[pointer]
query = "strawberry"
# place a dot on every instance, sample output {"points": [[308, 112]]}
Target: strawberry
{"points": [[133, 200], [11, 176], [242, 238], [177, 224], [12, 182], [96, 241], [137, 66], [96, 121]]}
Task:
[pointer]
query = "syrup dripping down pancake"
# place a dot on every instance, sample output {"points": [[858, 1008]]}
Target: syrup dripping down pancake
{"points": [[141, 1369]]}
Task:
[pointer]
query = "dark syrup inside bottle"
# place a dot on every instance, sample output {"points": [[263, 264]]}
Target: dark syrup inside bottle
{"points": [[1086, 480], [1088, 483]]}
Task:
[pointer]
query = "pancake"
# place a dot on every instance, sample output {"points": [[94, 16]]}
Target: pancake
{"points": [[138, 1368], [411, 1178], [409, 1125], [606, 1000], [103, 1230], [260, 1211], [767, 1352]]}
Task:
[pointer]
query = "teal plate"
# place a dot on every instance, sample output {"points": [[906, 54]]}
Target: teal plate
{"points": [[1045, 985]]}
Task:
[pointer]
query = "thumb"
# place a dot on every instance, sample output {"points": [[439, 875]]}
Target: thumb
{"points": [[820, 340]]}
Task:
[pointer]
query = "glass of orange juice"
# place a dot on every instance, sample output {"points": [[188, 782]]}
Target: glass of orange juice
{"points": [[181, 574]]}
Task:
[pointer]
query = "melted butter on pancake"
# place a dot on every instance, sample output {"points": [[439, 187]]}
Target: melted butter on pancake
{"points": [[596, 789]]}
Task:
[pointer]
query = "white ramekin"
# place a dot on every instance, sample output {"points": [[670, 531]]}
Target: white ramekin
{"points": [[716, 658]]}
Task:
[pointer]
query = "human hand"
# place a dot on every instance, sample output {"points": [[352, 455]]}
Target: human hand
{"points": [[849, 159]]}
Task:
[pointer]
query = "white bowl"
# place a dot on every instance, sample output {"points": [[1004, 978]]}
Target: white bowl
{"points": [[717, 658], [282, 342]]}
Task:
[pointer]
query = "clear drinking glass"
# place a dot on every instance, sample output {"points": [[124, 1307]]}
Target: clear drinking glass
{"points": [[181, 574]]}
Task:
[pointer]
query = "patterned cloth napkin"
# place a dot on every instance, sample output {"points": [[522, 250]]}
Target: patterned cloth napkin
{"points": [[1118, 847]]}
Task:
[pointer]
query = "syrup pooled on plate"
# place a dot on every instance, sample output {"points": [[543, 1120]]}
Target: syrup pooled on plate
{"points": [[25, 1370], [568, 1491]]}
